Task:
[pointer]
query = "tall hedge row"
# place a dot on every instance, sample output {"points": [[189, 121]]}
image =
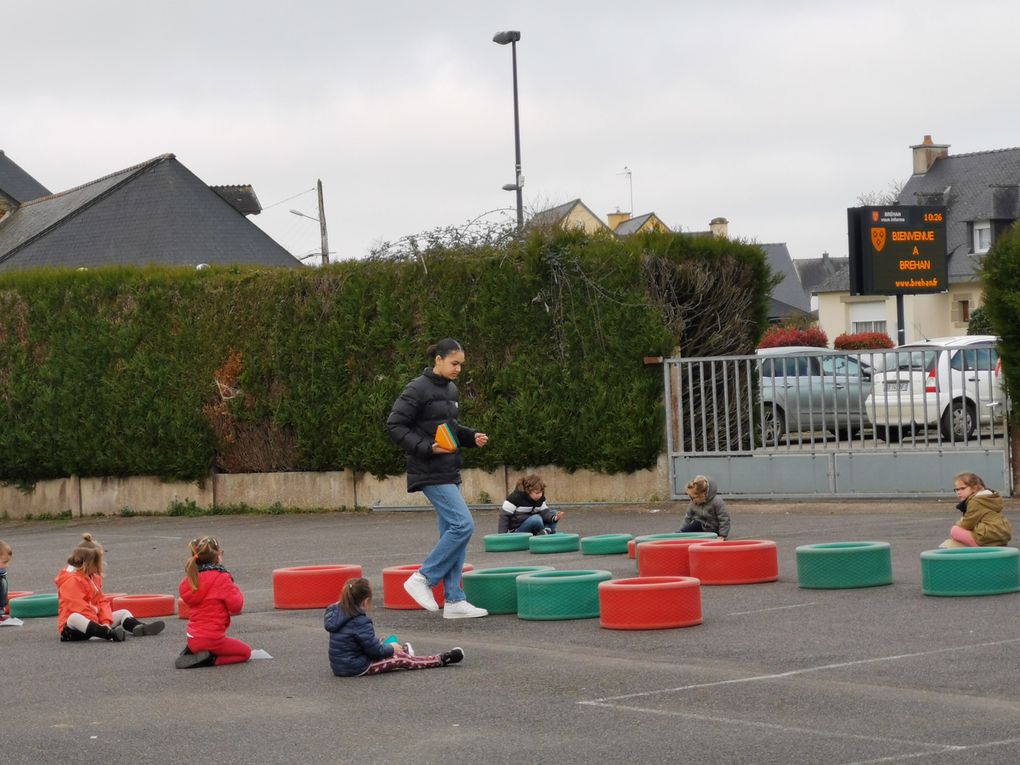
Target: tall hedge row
{"points": [[1001, 278], [175, 372]]}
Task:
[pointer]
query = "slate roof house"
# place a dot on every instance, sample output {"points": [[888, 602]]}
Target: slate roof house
{"points": [[981, 192], [623, 224], [156, 212], [16, 186], [570, 215], [814, 272], [789, 299]]}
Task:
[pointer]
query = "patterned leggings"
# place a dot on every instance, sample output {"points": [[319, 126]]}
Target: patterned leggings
{"points": [[402, 661]]}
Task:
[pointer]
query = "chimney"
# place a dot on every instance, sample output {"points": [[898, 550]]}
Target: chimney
{"points": [[616, 218], [720, 227], [925, 154]]}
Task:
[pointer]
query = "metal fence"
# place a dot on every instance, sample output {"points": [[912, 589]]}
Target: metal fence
{"points": [[947, 402]]}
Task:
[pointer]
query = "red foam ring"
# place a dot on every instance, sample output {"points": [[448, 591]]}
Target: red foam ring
{"points": [[144, 606], [311, 586], [666, 557], [650, 603], [737, 561], [396, 597]]}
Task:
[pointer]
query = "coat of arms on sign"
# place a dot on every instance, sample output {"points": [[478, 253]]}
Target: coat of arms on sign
{"points": [[878, 238]]}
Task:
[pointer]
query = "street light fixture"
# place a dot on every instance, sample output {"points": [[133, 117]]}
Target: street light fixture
{"points": [[512, 37], [321, 220]]}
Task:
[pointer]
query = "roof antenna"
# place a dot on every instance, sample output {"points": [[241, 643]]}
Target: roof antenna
{"points": [[630, 182]]}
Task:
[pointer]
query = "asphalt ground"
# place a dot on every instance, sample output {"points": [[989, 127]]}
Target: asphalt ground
{"points": [[775, 674]]}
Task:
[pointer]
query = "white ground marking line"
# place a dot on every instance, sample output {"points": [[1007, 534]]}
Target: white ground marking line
{"points": [[157, 536], [915, 755], [934, 748], [773, 608], [803, 671]]}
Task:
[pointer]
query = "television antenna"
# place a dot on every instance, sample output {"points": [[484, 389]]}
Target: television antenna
{"points": [[630, 184]]}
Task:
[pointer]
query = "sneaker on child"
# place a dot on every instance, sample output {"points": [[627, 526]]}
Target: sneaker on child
{"points": [[189, 660], [151, 628], [461, 609], [453, 656], [418, 588]]}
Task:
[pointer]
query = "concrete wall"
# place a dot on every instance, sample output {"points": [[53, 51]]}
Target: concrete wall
{"points": [[54, 497], [339, 489], [145, 494], [306, 490]]}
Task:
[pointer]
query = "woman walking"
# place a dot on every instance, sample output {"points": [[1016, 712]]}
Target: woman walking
{"points": [[426, 410]]}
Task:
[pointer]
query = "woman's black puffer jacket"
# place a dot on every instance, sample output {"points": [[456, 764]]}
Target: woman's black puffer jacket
{"points": [[426, 403]]}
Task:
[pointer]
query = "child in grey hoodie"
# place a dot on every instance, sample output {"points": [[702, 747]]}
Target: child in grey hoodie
{"points": [[707, 510]]}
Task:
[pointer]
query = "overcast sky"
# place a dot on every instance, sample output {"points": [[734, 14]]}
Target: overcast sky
{"points": [[775, 115]]}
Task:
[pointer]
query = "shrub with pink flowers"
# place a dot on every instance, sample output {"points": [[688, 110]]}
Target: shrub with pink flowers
{"points": [[863, 341], [784, 335]]}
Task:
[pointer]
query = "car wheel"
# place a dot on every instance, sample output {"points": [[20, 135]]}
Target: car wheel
{"points": [[958, 421], [889, 434], [846, 434], [773, 426]]}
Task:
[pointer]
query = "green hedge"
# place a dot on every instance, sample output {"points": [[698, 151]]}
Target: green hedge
{"points": [[114, 371], [1000, 272]]}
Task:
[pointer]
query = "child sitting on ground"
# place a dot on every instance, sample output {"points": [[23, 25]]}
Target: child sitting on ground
{"points": [[354, 648], [212, 596], [706, 510], [983, 523], [83, 610], [6, 553], [525, 509]]}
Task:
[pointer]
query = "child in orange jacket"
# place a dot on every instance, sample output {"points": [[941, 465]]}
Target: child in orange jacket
{"points": [[84, 611], [210, 592]]}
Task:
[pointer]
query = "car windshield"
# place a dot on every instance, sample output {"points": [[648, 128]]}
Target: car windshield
{"points": [[908, 359]]}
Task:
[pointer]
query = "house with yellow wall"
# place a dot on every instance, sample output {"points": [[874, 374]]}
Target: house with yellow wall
{"points": [[572, 215]]}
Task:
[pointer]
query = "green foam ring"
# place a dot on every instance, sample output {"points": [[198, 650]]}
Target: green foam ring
{"points": [[844, 565], [553, 595], [970, 571]]}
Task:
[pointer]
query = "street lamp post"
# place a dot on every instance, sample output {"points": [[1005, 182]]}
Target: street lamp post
{"points": [[502, 38], [321, 220]]}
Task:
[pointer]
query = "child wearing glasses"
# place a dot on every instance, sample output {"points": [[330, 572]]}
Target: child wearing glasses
{"points": [[983, 523]]}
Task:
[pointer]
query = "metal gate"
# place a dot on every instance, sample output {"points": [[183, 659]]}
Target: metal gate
{"points": [[789, 423]]}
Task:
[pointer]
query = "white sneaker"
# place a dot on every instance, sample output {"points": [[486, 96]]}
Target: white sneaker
{"points": [[418, 588], [462, 610]]}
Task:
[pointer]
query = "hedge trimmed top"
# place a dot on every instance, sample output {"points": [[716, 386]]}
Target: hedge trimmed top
{"points": [[176, 372]]}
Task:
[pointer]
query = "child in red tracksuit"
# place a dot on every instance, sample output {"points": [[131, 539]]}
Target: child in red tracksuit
{"points": [[210, 592], [83, 610]]}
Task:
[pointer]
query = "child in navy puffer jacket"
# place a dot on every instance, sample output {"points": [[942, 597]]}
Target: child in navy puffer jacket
{"points": [[210, 593], [354, 648]]}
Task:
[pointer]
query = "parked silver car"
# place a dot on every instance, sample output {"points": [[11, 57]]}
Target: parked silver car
{"points": [[805, 390]]}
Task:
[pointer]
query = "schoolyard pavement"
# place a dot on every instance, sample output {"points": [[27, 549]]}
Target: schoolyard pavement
{"points": [[775, 674]]}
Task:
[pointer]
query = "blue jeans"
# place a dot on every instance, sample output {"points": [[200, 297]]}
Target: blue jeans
{"points": [[534, 524], [446, 561]]}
